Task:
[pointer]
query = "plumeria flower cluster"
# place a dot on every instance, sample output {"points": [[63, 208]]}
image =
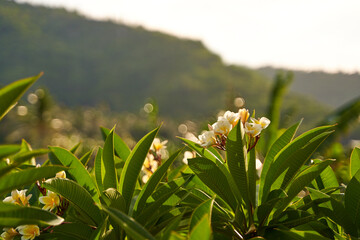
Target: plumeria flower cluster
{"points": [[18, 197], [27, 231], [218, 132], [50, 200], [154, 158]]}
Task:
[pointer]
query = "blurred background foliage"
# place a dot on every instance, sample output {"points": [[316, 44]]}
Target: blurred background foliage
{"points": [[106, 73]]}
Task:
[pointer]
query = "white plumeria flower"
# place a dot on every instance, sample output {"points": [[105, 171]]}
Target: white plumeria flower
{"points": [[61, 174], [222, 126], [149, 167], [253, 129], [259, 166], [18, 197], [158, 145], [51, 201], [264, 122], [28, 232], [9, 233], [256, 126], [232, 117], [244, 115], [145, 178], [207, 139], [188, 155]]}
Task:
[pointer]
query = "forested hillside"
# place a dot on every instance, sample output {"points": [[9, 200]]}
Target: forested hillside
{"points": [[88, 62]]}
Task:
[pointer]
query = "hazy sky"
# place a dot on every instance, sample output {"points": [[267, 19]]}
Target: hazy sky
{"points": [[301, 34]]}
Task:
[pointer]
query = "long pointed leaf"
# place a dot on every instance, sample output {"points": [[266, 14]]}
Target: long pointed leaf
{"points": [[214, 178], [204, 209], [236, 159], [354, 161], [14, 215], [352, 199], [75, 230], [276, 147], [86, 157], [121, 149], [133, 166], [7, 150], [110, 180], [202, 230], [252, 175], [20, 158], [98, 169], [11, 93], [153, 182], [19, 179]]}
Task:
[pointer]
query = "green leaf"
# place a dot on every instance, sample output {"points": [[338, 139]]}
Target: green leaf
{"points": [[19, 179], [14, 215], [153, 182], [276, 147], [252, 175], [133, 166], [110, 180], [204, 209], [76, 169], [354, 162], [288, 161], [11, 93], [75, 230], [75, 148], [202, 230], [7, 150], [121, 149], [20, 158], [86, 157], [236, 159], [352, 199], [132, 228], [116, 200], [327, 178], [98, 169], [214, 178], [77, 195]]}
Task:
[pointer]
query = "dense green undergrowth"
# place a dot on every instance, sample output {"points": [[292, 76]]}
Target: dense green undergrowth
{"points": [[225, 189]]}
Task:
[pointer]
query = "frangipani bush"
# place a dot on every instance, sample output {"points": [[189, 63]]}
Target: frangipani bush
{"points": [[217, 195]]}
